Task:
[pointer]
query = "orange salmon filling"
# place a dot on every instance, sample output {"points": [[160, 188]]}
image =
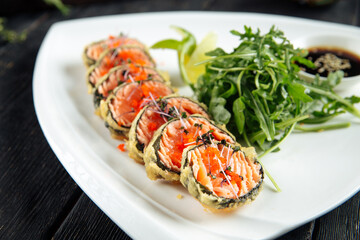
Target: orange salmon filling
{"points": [[151, 119], [225, 172], [180, 134], [122, 57], [131, 98], [118, 57], [94, 51], [130, 73]]}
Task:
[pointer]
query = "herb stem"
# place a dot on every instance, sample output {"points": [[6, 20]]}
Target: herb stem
{"points": [[281, 125], [238, 82], [269, 176], [288, 122], [279, 142], [234, 69], [319, 120], [251, 54], [64, 9], [246, 139], [323, 128]]}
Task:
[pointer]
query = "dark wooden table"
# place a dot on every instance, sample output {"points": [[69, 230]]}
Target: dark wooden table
{"points": [[38, 199]]}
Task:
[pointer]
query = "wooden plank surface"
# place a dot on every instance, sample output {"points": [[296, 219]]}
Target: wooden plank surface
{"points": [[36, 191], [87, 221], [39, 200], [341, 223]]}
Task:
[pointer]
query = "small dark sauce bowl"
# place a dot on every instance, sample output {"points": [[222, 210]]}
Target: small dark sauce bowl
{"points": [[344, 47]]}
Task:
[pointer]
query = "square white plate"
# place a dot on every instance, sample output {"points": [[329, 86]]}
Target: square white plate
{"points": [[316, 171]]}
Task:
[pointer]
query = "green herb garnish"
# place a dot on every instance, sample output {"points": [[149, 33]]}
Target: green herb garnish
{"points": [[10, 36], [64, 9], [183, 115]]}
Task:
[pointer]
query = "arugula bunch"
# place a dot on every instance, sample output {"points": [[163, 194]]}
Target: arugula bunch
{"points": [[256, 90]]}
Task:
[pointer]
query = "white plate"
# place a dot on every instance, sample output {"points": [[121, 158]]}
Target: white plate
{"points": [[316, 171]]}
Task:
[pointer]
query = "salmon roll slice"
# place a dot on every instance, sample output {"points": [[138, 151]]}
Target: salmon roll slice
{"points": [[93, 51], [121, 74], [121, 107], [115, 57], [153, 116], [220, 175], [163, 155]]}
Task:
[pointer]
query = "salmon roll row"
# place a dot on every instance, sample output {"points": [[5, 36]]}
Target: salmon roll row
{"points": [[171, 135]]}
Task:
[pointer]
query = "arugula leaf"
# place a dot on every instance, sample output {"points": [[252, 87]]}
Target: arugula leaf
{"points": [[303, 61], [238, 110], [297, 91], [216, 52]]}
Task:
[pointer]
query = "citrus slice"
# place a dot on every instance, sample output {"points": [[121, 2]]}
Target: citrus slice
{"points": [[207, 44]]}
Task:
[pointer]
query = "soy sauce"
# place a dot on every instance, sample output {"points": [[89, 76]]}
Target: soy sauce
{"points": [[346, 56]]}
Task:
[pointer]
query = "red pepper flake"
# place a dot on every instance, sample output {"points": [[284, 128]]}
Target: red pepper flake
{"points": [[121, 147]]}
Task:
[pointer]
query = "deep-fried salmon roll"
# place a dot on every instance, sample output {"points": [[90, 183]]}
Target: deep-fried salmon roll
{"points": [[220, 175], [115, 57], [163, 155], [93, 51], [121, 107], [121, 74], [153, 116]]}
